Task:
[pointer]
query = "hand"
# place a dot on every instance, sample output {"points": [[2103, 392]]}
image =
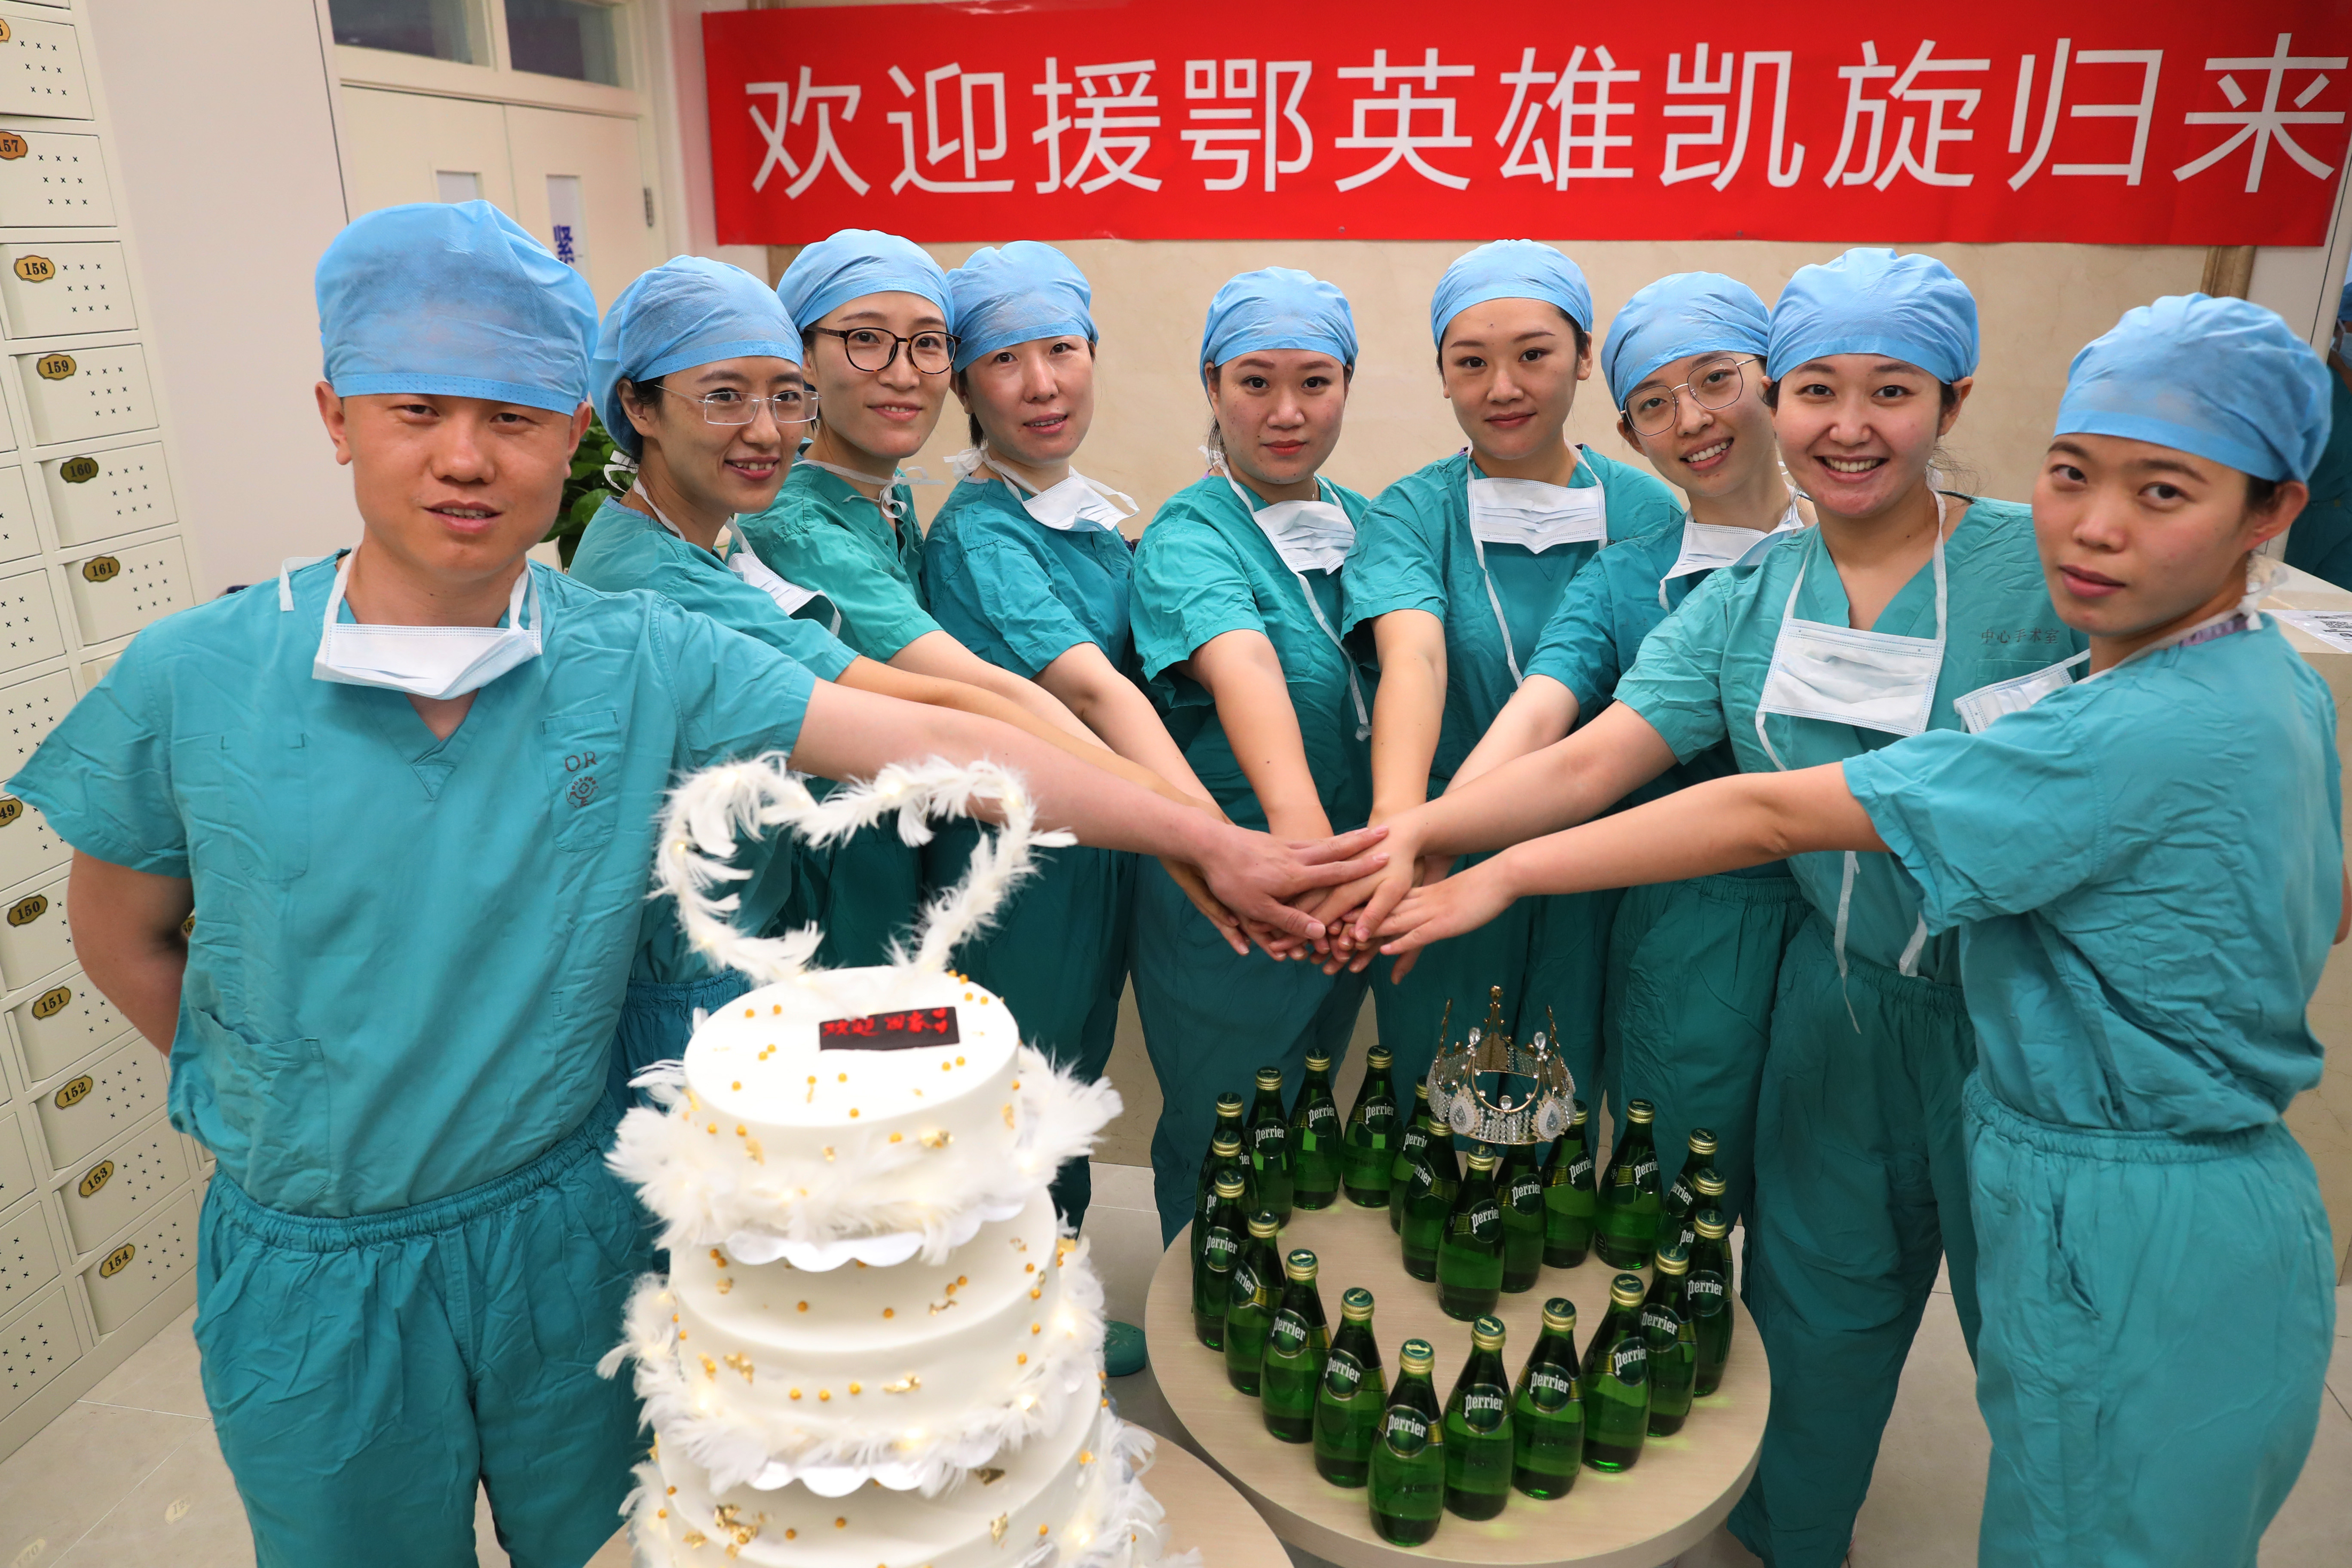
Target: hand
{"points": [[1353, 910], [1196, 888], [1434, 911], [1253, 874]]}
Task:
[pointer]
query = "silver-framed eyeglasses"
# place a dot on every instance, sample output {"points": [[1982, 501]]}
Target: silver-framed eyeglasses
{"points": [[872, 350], [1714, 383], [726, 406]]}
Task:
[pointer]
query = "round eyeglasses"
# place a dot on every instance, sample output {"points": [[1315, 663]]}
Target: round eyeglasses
{"points": [[871, 349], [1714, 383], [726, 406]]}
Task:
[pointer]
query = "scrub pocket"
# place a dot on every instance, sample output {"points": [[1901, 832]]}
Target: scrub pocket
{"points": [[583, 753], [221, 781], [276, 1111]]}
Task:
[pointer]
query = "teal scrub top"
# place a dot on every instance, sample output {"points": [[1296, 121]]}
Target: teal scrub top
{"points": [[2320, 539], [1206, 568], [1701, 674], [623, 549], [822, 534], [2144, 870], [1597, 634], [1021, 595], [1415, 552], [409, 954]]}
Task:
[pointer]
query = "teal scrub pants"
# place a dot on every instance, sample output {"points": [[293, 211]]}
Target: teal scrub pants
{"points": [[657, 1022], [1862, 1183], [2158, 1314], [1057, 953], [864, 893], [1687, 1013], [365, 1373], [1211, 1019]]}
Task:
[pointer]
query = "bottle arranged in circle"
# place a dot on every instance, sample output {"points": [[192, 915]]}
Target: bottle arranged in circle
{"points": [[1349, 1399], [1478, 1441], [1411, 1142], [1223, 1235], [1570, 1204], [1430, 1190], [1226, 1158], [1709, 1290], [1470, 1251], [1315, 1138], [1231, 1110], [1674, 1342], [1253, 1297], [1268, 1140], [1368, 1146], [1407, 1491], [1547, 1409], [1616, 1381], [1681, 1200], [1627, 1231], [1519, 1193], [1298, 1343]]}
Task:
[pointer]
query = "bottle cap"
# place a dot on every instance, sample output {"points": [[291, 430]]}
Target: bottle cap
{"points": [[1318, 1062], [1226, 1143], [1229, 1184], [1671, 1260], [1415, 1356], [1710, 1183], [1580, 1115], [1421, 1091], [1299, 1263], [1356, 1306], [1263, 1224], [1437, 1128], [1483, 1161], [1560, 1314], [1487, 1333], [1625, 1290], [1378, 1058], [1711, 1224], [1229, 1104], [1640, 1112], [1269, 1078], [1702, 1141]]}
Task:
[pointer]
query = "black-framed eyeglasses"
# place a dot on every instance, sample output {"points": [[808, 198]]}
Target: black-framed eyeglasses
{"points": [[871, 349], [1714, 383], [726, 406]]}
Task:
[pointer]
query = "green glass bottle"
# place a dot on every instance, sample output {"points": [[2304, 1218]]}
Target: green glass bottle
{"points": [[1616, 1381], [1298, 1343], [1470, 1250], [1267, 1138], [1410, 1143], [1674, 1342], [1226, 1158], [1251, 1303], [1315, 1138], [1429, 1199], [1408, 1478], [1627, 1231], [1518, 1191], [1478, 1428], [1547, 1409], [1569, 1203], [1710, 1299], [1348, 1400], [1369, 1144], [1230, 1108], [1680, 1198], [1224, 1234]]}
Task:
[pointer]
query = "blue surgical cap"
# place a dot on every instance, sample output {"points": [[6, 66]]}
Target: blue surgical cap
{"points": [[1278, 308], [1510, 269], [687, 311], [2223, 379], [1909, 308], [852, 263], [1688, 313], [1025, 291], [453, 298]]}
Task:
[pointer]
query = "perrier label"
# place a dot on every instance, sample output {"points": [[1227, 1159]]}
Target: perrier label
{"points": [[1407, 1469]]}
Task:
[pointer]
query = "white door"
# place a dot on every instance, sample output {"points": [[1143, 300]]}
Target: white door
{"points": [[409, 147], [585, 174]]}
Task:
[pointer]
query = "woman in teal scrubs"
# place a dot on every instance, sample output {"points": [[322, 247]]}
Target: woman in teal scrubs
{"points": [[1025, 566], [1684, 363], [1892, 614], [2144, 868], [1456, 570], [1236, 601]]}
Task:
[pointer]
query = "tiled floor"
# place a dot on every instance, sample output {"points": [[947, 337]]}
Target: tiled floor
{"points": [[130, 1476]]}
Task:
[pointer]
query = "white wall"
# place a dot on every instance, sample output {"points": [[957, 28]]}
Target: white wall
{"points": [[225, 142]]}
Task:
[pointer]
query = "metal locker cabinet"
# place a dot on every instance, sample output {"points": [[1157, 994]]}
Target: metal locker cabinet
{"points": [[17, 1182], [123, 1184], [28, 1259], [35, 1345], [116, 594], [106, 1098], [35, 940], [67, 1023], [55, 179], [28, 846], [40, 70], [78, 394], [99, 495], [135, 1269], [75, 287], [19, 538], [28, 621]]}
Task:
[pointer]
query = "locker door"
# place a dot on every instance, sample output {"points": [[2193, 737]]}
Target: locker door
{"points": [[586, 171], [400, 141]]}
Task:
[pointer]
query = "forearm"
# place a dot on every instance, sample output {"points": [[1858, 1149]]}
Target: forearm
{"points": [[1540, 713], [1243, 675], [1567, 783], [938, 654], [1111, 705], [126, 931], [1409, 711]]}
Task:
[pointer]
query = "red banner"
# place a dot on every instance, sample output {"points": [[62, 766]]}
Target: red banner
{"points": [[2111, 122]]}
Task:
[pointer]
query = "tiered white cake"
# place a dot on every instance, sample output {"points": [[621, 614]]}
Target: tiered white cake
{"points": [[875, 1348]]}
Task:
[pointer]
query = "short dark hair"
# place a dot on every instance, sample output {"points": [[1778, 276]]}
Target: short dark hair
{"points": [[2261, 494]]}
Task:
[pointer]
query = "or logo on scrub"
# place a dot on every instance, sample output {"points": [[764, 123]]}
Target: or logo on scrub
{"points": [[2044, 635], [581, 766]]}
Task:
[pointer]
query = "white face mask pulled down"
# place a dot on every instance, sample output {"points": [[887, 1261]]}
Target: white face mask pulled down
{"points": [[888, 503], [1708, 545], [1536, 517], [744, 562], [433, 662], [1076, 503], [1312, 536]]}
